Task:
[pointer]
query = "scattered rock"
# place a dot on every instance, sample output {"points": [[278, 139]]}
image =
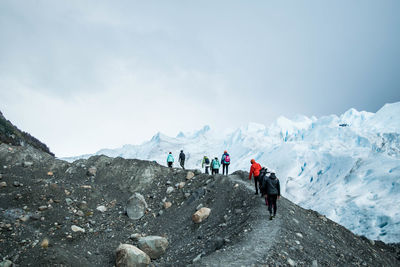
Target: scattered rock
{"points": [[135, 236], [201, 215], [170, 189], [45, 243], [314, 263], [75, 228], [86, 186], [291, 262], [181, 185], [69, 201], [80, 213], [129, 256], [299, 235], [198, 257], [101, 208], [83, 205], [136, 206], [236, 186], [295, 220], [50, 173], [154, 246], [189, 175], [6, 263], [167, 205], [17, 184], [28, 163], [3, 184], [199, 206], [91, 171], [42, 208]]}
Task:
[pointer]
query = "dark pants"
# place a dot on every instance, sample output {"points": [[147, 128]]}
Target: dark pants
{"points": [[225, 166], [182, 162], [207, 167], [255, 183], [170, 164], [214, 171], [271, 202]]}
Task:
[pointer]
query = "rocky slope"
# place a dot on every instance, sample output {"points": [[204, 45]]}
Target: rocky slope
{"points": [[46, 204], [10, 134]]}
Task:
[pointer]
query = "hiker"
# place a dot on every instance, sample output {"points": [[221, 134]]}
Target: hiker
{"points": [[206, 164], [215, 166], [272, 190], [170, 159], [255, 171], [182, 159], [225, 160]]}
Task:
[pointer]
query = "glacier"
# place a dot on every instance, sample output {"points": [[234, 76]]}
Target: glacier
{"points": [[346, 167]]}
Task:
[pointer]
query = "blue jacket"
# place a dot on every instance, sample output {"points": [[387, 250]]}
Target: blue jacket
{"points": [[170, 158], [223, 158], [215, 164]]}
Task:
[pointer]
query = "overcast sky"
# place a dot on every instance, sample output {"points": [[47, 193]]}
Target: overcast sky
{"points": [[85, 75]]}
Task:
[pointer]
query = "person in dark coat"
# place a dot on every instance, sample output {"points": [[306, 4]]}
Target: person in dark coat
{"points": [[182, 159], [272, 190]]}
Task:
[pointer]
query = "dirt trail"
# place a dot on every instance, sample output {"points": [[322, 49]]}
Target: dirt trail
{"points": [[255, 245]]}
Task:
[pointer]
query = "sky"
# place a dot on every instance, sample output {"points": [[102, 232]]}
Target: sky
{"points": [[85, 75]]}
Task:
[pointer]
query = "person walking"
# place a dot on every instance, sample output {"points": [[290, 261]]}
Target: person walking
{"points": [[206, 164], [272, 189], [170, 160], [215, 166], [182, 159], [225, 160], [255, 171]]}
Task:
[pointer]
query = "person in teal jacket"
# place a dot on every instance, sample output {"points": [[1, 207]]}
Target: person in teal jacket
{"points": [[215, 166], [170, 160]]}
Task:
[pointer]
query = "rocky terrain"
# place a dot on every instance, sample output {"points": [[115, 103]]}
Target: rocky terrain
{"points": [[107, 211], [55, 213]]}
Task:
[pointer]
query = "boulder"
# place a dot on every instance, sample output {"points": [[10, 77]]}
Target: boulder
{"points": [[130, 256], [75, 228], [91, 171], [154, 246], [101, 208], [201, 215], [189, 175], [136, 206], [170, 189]]}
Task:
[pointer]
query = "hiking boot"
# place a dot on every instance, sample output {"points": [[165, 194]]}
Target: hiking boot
{"points": [[271, 217]]}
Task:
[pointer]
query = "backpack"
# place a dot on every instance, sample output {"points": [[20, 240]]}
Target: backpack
{"points": [[262, 178], [207, 161], [215, 164], [227, 159]]}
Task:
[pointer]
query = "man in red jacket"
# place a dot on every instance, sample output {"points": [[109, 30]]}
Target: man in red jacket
{"points": [[255, 171]]}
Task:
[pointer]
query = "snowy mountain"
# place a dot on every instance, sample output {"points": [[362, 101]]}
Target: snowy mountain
{"points": [[346, 167]]}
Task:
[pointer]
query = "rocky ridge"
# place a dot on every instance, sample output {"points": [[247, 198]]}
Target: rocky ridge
{"points": [[55, 213]]}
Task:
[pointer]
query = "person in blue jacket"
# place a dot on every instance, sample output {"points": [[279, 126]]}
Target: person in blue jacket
{"points": [[225, 160], [170, 160]]}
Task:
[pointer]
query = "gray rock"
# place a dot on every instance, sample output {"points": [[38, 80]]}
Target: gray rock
{"points": [[3, 184], [189, 175], [6, 263], [136, 206], [291, 262], [135, 236], [69, 201], [17, 184], [170, 189], [129, 256], [91, 171], [199, 206], [198, 257], [75, 228], [314, 263], [101, 208], [28, 163], [154, 246]]}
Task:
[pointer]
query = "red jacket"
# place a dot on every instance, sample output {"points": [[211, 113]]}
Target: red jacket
{"points": [[254, 170]]}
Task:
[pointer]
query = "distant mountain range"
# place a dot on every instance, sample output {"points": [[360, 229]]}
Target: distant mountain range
{"points": [[346, 167]]}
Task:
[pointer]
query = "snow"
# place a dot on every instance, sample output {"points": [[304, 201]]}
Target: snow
{"points": [[350, 173]]}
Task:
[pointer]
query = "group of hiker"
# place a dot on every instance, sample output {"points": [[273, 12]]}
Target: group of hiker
{"points": [[265, 180], [215, 164]]}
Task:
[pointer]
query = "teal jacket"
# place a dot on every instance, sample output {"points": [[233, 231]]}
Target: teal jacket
{"points": [[170, 158], [215, 164]]}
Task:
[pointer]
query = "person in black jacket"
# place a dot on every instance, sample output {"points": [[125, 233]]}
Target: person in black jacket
{"points": [[272, 191], [182, 159]]}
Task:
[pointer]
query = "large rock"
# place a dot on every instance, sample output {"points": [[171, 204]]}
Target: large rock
{"points": [[201, 215], [189, 175], [154, 246], [136, 206], [130, 256]]}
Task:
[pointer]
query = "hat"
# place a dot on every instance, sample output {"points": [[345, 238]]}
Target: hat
{"points": [[225, 151], [252, 161]]}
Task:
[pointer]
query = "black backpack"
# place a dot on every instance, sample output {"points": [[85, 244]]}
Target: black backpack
{"points": [[207, 160], [262, 178]]}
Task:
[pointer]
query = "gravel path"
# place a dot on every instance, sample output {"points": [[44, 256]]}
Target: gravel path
{"points": [[255, 245]]}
